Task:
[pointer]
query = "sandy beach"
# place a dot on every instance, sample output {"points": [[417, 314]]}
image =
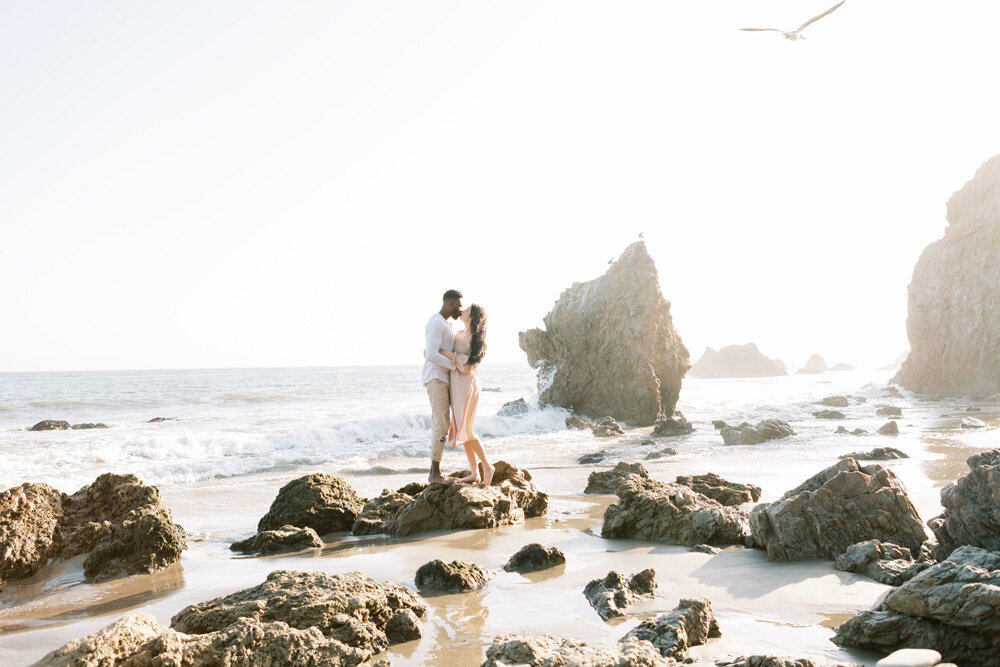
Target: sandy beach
{"points": [[762, 607]]}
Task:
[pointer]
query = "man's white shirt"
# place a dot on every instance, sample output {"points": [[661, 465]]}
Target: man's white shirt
{"points": [[437, 336]]}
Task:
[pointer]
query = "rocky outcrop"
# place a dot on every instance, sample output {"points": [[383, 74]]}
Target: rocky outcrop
{"points": [[453, 577], [534, 557], [325, 503], [286, 538], [884, 562], [509, 499], [877, 454], [352, 608], [971, 508], [889, 428], [736, 361], [953, 311], [607, 481], [813, 366], [547, 650], [672, 426], [609, 346], [721, 490], [692, 623], [670, 512], [952, 607], [748, 434], [117, 520], [662, 641], [607, 428], [615, 593], [513, 408], [138, 640], [841, 506], [50, 425]]}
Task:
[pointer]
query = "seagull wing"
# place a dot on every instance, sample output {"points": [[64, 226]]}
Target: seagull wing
{"points": [[762, 29], [817, 18]]}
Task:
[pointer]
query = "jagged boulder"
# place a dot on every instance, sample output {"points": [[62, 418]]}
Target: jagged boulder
{"points": [[609, 345], [736, 361], [509, 499], [971, 508], [534, 557], [120, 522], [884, 562], [672, 426], [840, 506], [615, 593], [513, 408], [607, 481], [286, 538], [325, 503], [877, 454], [453, 577], [138, 640], [749, 434], [721, 490], [952, 607], [50, 425], [670, 512], [692, 623], [953, 310], [352, 608]]}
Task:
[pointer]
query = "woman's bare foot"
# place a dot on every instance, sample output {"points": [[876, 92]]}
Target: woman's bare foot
{"points": [[469, 479], [487, 474]]}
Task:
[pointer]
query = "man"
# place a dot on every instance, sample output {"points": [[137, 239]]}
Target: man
{"points": [[435, 376]]}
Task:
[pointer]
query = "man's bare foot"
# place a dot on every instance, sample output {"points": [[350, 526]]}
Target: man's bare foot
{"points": [[440, 479], [488, 475]]}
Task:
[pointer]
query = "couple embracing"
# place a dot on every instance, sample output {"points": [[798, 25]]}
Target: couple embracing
{"points": [[451, 377]]}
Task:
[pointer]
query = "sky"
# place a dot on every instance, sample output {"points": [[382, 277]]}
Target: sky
{"points": [[231, 184]]}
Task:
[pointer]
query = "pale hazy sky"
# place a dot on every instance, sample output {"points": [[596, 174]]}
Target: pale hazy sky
{"points": [[219, 184]]}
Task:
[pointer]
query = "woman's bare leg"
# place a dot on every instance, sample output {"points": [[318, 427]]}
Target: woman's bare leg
{"points": [[470, 454], [477, 447]]}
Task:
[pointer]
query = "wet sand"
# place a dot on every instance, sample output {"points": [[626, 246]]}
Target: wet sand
{"points": [[762, 607]]}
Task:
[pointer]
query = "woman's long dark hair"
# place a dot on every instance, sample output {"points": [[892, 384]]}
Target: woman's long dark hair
{"points": [[477, 325]]}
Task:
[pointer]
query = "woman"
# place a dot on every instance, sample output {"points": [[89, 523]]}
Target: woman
{"points": [[470, 346]]}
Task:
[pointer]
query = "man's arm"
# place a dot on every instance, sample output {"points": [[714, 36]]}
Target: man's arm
{"points": [[434, 341]]}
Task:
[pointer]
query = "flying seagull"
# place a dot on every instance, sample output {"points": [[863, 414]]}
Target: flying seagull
{"points": [[797, 34]]}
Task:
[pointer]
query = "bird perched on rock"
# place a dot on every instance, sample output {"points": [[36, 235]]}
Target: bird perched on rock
{"points": [[797, 33]]}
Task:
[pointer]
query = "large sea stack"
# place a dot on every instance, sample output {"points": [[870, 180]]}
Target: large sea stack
{"points": [[609, 346], [953, 320], [736, 361]]}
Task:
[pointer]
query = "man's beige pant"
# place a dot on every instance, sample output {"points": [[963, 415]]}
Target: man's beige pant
{"points": [[437, 391]]}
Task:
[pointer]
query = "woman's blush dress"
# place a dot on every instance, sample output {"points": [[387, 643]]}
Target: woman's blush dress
{"points": [[464, 383]]}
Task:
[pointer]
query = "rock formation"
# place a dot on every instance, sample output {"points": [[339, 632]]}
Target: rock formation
{"points": [[889, 428], [877, 454], [510, 498], [841, 506], [286, 538], [884, 562], [736, 361], [352, 608], [692, 623], [952, 607], [615, 593], [325, 503], [829, 414], [844, 431], [889, 411], [971, 508], [814, 365], [513, 408], [595, 457], [50, 425], [669, 512], [534, 557], [672, 426], [118, 520], [607, 481], [953, 319], [834, 401], [453, 577], [609, 346], [721, 490], [607, 428], [661, 453], [748, 434]]}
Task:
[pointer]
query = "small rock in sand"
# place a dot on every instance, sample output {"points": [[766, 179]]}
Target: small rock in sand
{"points": [[705, 549], [453, 577], [286, 538], [613, 594], [319, 501], [534, 557], [595, 457]]}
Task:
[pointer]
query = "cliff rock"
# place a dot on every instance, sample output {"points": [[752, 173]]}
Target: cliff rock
{"points": [[609, 345], [736, 361], [971, 508]]}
